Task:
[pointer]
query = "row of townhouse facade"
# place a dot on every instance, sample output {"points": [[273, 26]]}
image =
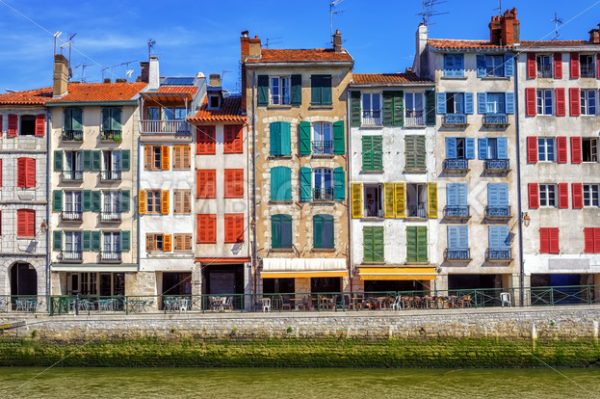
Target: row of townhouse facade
{"points": [[476, 168]]}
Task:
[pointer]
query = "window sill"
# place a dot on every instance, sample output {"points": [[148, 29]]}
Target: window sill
{"points": [[370, 263], [276, 157], [320, 106], [495, 78], [371, 127], [371, 172], [322, 202], [415, 171], [454, 78], [372, 219], [281, 250], [279, 106], [329, 250], [323, 156], [416, 263], [281, 202]]}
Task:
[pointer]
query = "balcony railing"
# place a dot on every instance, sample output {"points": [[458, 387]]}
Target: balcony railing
{"points": [[419, 211], [322, 147], [71, 216], [495, 120], [72, 135], [72, 176], [497, 165], [110, 256], [454, 120], [323, 194], [165, 127], [371, 118], [111, 135], [456, 165], [457, 254], [497, 212], [492, 254], [110, 217], [414, 118], [70, 256], [110, 175], [456, 212]]}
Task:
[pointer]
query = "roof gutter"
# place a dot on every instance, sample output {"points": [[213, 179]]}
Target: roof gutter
{"points": [[301, 63], [91, 103]]}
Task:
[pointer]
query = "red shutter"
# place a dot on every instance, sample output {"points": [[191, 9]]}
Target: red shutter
{"points": [[544, 240], [206, 183], [577, 194], [234, 227], [30, 172], [205, 140], [1, 119], [588, 240], [531, 66], [576, 150], [530, 101], [25, 223], [40, 125], [234, 183], [563, 195], [207, 229], [561, 107], [558, 66], [21, 172], [13, 124], [233, 139], [534, 195], [0, 168], [554, 244], [561, 144], [597, 240], [574, 101], [532, 149], [574, 65]]}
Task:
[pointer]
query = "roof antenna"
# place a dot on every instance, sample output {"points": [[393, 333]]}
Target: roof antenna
{"points": [[83, 67], [269, 41], [428, 10], [56, 36], [499, 7], [151, 44], [333, 11], [557, 23]]}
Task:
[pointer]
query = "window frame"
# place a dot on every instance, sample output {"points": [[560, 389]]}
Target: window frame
{"points": [[543, 96], [544, 70], [327, 193], [326, 148], [451, 101], [591, 198], [153, 205], [546, 147], [592, 149], [494, 67], [588, 96], [548, 195], [379, 193], [585, 70], [281, 93]]}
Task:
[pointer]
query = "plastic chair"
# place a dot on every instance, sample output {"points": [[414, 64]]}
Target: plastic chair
{"points": [[505, 299], [266, 304], [397, 304]]}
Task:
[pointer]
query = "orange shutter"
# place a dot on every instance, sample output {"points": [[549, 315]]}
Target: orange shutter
{"points": [[164, 202], [142, 202], [166, 159], [148, 157], [234, 183], [187, 201], [40, 125], [207, 229], [233, 139], [234, 227], [21, 172], [167, 242], [205, 140], [177, 157], [206, 183]]}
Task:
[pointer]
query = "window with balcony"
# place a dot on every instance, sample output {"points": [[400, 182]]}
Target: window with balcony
{"points": [[497, 197], [73, 124], [111, 165], [169, 120], [588, 102], [111, 206], [323, 184], [548, 195], [371, 109], [414, 104], [454, 106], [456, 201], [111, 124], [590, 195], [280, 90], [544, 66], [416, 200], [72, 247], [72, 209], [545, 102], [495, 103], [587, 65], [546, 149], [373, 200], [458, 243], [589, 147], [458, 151], [73, 169], [111, 249], [498, 243], [322, 138]]}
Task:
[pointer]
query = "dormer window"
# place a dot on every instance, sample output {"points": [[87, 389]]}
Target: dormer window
{"points": [[214, 101]]}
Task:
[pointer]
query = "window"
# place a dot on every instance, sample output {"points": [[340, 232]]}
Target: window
{"points": [[280, 90], [73, 120], [25, 223], [456, 148], [183, 242], [281, 183], [183, 202], [72, 201], [323, 184], [112, 243], [234, 183], [372, 153], [546, 151], [181, 157], [416, 244], [587, 65], [205, 140], [549, 240], [111, 165], [156, 157], [320, 90], [495, 103], [414, 104], [455, 103], [544, 66], [111, 201], [26, 174], [545, 102], [72, 242], [591, 238], [458, 238], [548, 195], [494, 65], [153, 201], [589, 148], [590, 195], [414, 153], [373, 200], [373, 248], [416, 200], [491, 148], [323, 232], [280, 139], [281, 232], [454, 65], [27, 125], [214, 101], [234, 140], [322, 138], [111, 120], [207, 228], [499, 242], [154, 242], [73, 161], [153, 113], [234, 228], [371, 109], [588, 102], [174, 114], [206, 183]]}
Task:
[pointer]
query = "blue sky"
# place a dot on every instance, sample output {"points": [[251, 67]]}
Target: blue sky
{"points": [[203, 35]]}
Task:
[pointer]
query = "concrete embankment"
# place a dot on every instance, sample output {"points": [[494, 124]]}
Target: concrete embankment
{"points": [[531, 337]]}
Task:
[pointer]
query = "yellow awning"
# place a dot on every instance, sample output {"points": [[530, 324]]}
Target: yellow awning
{"points": [[397, 273], [304, 274]]}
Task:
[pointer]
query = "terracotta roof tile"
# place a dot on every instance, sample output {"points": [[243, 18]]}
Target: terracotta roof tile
{"points": [[453, 44], [387, 78], [301, 55], [554, 43], [230, 111], [100, 92], [27, 97], [191, 90]]}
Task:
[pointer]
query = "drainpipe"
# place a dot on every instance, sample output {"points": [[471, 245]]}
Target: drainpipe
{"points": [[138, 158], [348, 179], [48, 136], [253, 225], [519, 202]]}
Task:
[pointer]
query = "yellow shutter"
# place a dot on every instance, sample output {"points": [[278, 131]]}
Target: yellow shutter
{"points": [[166, 159], [177, 157], [388, 200], [400, 200], [142, 201], [148, 154], [357, 208], [164, 202], [168, 242], [432, 200]]}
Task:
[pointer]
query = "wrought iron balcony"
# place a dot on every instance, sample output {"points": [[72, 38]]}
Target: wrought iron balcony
{"points": [[497, 166], [162, 126], [323, 194], [71, 216], [457, 254], [497, 212], [72, 135], [111, 135], [456, 165], [457, 212], [501, 255], [495, 121], [414, 118], [454, 120], [371, 118], [110, 256], [110, 217], [419, 212], [322, 147], [71, 256], [110, 175], [71, 176]]}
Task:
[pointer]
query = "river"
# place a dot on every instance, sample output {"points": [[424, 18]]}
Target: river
{"points": [[33, 383]]}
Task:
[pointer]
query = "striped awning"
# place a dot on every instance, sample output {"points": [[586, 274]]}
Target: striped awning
{"points": [[397, 273]]}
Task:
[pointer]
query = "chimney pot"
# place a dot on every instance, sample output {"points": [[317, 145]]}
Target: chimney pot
{"points": [[106, 80], [153, 73], [244, 33], [337, 41], [595, 36], [214, 80]]}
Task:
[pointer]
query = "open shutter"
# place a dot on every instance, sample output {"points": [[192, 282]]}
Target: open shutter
{"points": [[263, 90], [440, 107], [86, 240], [378, 244], [398, 108], [481, 103], [142, 202], [367, 153], [286, 139], [510, 103], [87, 160], [77, 119], [558, 70], [13, 125], [400, 200], [469, 148], [502, 147], [165, 157], [356, 192], [87, 200], [125, 241], [57, 240], [167, 242], [469, 106], [96, 156], [339, 144], [21, 172], [430, 108], [481, 66], [318, 231], [95, 241], [305, 184], [531, 66], [164, 202], [355, 117], [451, 148], [563, 195], [561, 106], [368, 254], [106, 121], [576, 156], [125, 160], [534, 195], [561, 144], [275, 138], [577, 195], [432, 201], [598, 66], [509, 65], [493, 198], [40, 125], [57, 201], [388, 200], [304, 138], [96, 201], [296, 81], [377, 153], [124, 201], [388, 106], [530, 101], [339, 184], [116, 119], [574, 65], [532, 149], [574, 99], [482, 145]]}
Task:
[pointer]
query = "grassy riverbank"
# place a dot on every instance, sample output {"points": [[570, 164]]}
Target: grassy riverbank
{"points": [[450, 353]]}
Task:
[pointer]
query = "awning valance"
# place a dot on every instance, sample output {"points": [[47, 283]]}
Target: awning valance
{"points": [[303, 268], [397, 273]]}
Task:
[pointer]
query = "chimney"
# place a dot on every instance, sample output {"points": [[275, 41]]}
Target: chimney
{"points": [[120, 80], [595, 35], [337, 41], [249, 48], [214, 80], [144, 71], [420, 63], [61, 76], [106, 80], [153, 73], [505, 30]]}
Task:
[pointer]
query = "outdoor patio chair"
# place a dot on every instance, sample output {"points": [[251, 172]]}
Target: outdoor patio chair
{"points": [[3, 304], [465, 301], [505, 299], [397, 304], [266, 304]]}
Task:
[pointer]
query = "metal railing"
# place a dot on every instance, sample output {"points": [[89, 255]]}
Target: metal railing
{"points": [[163, 126], [458, 212], [111, 135], [71, 256], [457, 254], [371, 118], [110, 216], [497, 212], [110, 256], [323, 194], [495, 120], [497, 165], [497, 254], [71, 175], [414, 118], [458, 165], [72, 135], [322, 147], [454, 120], [71, 216], [419, 211], [110, 175]]}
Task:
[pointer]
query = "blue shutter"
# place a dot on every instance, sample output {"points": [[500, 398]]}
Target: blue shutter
{"points": [[492, 195], [502, 190], [281, 187], [481, 66], [459, 64], [305, 185], [452, 194], [510, 103], [453, 237], [482, 147], [448, 65], [470, 148], [509, 66], [498, 237], [481, 103], [469, 103], [275, 138], [461, 189], [441, 103], [463, 237], [450, 147], [502, 149]]}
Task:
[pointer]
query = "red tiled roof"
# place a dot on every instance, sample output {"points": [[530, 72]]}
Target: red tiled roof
{"points": [[27, 97], [453, 44], [554, 43], [191, 90], [230, 111], [301, 55], [100, 92], [387, 78]]}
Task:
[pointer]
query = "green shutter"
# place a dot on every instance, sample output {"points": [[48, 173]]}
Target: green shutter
{"points": [[373, 244], [420, 152], [304, 138], [116, 119], [58, 161], [87, 241], [124, 201], [326, 96], [377, 153], [96, 155], [317, 231], [378, 244], [106, 120], [95, 241], [411, 243], [125, 160], [388, 108], [398, 108], [87, 200], [125, 241], [263, 90], [286, 139], [367, 153], [355, 118], [281, 187], [339, 142], [421, 244], [275, 138], [414, 153], [305, 185], [57, 240], [68, 119], [95, 201], [430, 108], [296, 90], [77, 119], [57, 201], [368, 254], [339, 184], [87, 160], [315, 89]]}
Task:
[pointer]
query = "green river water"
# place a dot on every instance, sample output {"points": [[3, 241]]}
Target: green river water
{"points": [[298, 383]]}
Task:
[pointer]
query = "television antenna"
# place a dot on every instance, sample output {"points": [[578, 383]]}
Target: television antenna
{"points": [[272, 40], [56, 35], [499, 7], [428, 10], [151, 44], [557, 23], [83, 67], [333, 11]]}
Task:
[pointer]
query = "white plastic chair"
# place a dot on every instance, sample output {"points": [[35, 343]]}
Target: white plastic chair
{"points": [[505, 299], [266, 304], [397, 304]]}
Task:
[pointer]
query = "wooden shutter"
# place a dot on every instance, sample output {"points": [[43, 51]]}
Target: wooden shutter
{"points": [[561, 107], [281, 183], [207, 228], [296, 91], [233, 139], [95, 159], [388, 109], [167, 242], [57, 201], [205, 140], [206, 183], [554, 243], [125, 160], [165, 157], [574, 101], [400, 200], [96, 199], [234, 227], [57, 240], [357, 206], [40, 125], [339, 184], [318, 231], [150, 242], [561, 144], [142, 202], [377, 153], [58, 161], [125, 237], [530, 101], [21, 172], [339, 142], [544, 240], [574, 65], [558, 69], [355, 117], [25, 223], [305, 184], [532, 149], [422, 244], [368, 254], [262, 90], [304, 147], [432, 201], [577, 195], [367, 153], [430, 108], [563, 195], [534, 195], [597, 240], [177, 157], [13, 125], [598, 66], [531, 66], [576, 156], [164, 202], [411, 243], [588, 239], [388, 200], [87, 200], [30, 172], [234, 183], [124, 201], [148, 157]]}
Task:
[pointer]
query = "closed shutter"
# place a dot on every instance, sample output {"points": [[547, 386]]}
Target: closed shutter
{"points": [[25, 223], [95, 155], [87, 160], [544, 240], [57, 201], [339, 142], [393, 108], [554, 243], [441, 103], [125, 160], [356, 190], [372, 153], [142, 202], [430, 108], [281, 187], [563, 195], [422, 244], [281, 231], [482, 146], [167, 242], [509, 65], [561, 144], [234, 140], [165, 153], [561, 106], [177, 157], [148, 157], [150, 242], [458, 238], [531, 66], [411, 243], [95, 241], [205, 140], [206, 183], [388, 106], [124, 201], [318, 231], [534, 195], [400, 200], [262, 90], [57, 240], [415, 155], [469, 106], [234, 227], [13, 125], [530, 101], [378, 244], [574, 65], [482, 103], [532, 149], [296, 81], [58, 161], [125, 241], [373, 244], [234, 183], [96, 200], [469, 148], [576, 156], [432, 201], [451, 148], [510, 103], [164, 202], [355, 117], [558, 70], [30, 172], [305, 184], [21, 172], [574, 99], [321, 90], [388, 200], [40, 125], [280, 138], [577, 195], [588, 239], [597, 240], [481, 72], [304, 138], [498, 238], [207, 229], [339, 184], [502, 147]]}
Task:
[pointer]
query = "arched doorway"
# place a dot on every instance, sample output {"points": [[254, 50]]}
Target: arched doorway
{"points": [[23, 279]]}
